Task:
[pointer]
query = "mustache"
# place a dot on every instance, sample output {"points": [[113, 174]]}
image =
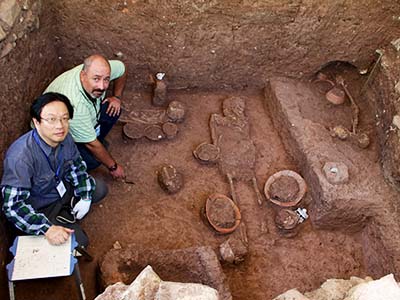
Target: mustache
{"points": [[98, 90]]}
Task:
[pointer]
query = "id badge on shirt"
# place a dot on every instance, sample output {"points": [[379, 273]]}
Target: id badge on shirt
{"points": [[97, 128], [61, 188]]}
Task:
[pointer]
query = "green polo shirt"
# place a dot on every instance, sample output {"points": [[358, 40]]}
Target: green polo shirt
{"points": [[86, 112]]}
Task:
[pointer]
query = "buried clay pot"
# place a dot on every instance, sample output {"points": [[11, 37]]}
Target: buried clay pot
{"points": [[154, 133], [133, 131], [222, 213], [335, 96], [170, 179], [206, 153], [286, 221], [363, 140], [176, 111], [170, 130], [285, 188]]}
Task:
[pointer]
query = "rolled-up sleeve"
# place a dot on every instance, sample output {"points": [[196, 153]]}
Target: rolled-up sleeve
{"points": [[84, 184], [21, 214]]}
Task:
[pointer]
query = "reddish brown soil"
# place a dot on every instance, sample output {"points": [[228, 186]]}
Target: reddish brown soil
{"points": [[140, 212]]}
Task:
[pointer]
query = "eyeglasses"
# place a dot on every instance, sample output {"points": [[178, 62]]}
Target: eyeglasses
{"points": [[53, 120]]}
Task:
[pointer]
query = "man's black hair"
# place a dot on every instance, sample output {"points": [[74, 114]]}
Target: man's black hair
{"points": [[43, 100]]}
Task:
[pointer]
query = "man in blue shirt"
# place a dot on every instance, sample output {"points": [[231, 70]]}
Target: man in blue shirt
{"points": [[45, 185]]}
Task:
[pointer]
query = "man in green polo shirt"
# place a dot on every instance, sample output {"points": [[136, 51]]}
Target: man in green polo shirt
{"points": [[94, 114]]}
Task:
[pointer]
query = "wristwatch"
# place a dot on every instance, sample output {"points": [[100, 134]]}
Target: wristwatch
{"points": [[118, 97], [113, 167]]}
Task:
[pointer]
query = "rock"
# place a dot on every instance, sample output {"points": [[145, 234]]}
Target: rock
{"points": [[144, 287], [291, 295], [336, 172], [185, 291], [332, 289], [6, 50], [9, 11], [196, 265], [117, 245], [396, 44], [356, 288], [385, 288], [396, 118], [149, 286], [397, 87], [113, 292], [119, 54]]}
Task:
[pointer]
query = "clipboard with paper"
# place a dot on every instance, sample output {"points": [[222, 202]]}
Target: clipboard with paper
{"points": [[35, 257]]}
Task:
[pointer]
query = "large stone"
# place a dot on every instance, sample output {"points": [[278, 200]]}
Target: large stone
{"points": [[185, 291], [196, 265], [148, 286], [291, 295], [144, 287], [9, 11], [385, 288], [334, 289], [112, 292]]}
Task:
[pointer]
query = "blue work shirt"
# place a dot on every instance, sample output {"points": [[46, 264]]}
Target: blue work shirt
{"points": [[27, 167]]}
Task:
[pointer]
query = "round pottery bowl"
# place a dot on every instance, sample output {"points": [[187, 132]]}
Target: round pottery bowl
{"points": [[281, 176]]}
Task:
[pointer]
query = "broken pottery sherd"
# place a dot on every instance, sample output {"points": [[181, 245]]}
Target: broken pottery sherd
{"points": [[170, 179], [336, 172]]}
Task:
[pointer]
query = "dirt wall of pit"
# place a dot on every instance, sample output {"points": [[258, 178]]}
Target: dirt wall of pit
{"points": [[199, 44], [28, 62], [383, 91], [225, 44]]}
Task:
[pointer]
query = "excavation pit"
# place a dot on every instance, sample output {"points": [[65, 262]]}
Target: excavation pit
{"points": [[208, 55]]}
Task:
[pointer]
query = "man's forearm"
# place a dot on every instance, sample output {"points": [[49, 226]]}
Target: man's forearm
{"points": [[101, 153]]}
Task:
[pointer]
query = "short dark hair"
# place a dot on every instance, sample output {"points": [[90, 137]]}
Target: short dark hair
{"points": [[43, 100]]}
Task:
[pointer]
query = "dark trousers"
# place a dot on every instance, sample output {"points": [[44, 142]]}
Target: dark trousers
{"points": [[64, 206], [106, 123]]}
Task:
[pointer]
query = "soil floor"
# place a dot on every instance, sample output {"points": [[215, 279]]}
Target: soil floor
{"points": [[141, 212]]}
